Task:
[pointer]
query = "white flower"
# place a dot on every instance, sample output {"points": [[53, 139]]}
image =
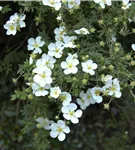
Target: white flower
{"points": [[133, 47], [89, 97], [59, 129], [1, 8], [35, 44], [44, 123], [70, 64], [89, 67], [43, 77], [82, 31], [19, 19], [83, 101], [106, 78], [113, 88], [53, 3], [125, 4], [55, 92], [73, 3], [40, 91], [65, 97], [47, 61], [69, 41], [60, 31], [96, 94], [15, 23], [11, 28], [103, 2], [70, 113], [56, 49]]}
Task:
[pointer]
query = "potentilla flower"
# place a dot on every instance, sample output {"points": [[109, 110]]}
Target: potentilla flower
{"points": [[59, 129], [96, 91], [125, 4], [11, 28], [102, 3], [43, 77], [56, 49], [106, 78], [60, 31], [40, 91], [70, 113], [89, 97], [89, 67], [133, 47], [68, 41], [19, 19], [46, 61], [83, 101], [70, 64], [53, 3], [55, 92], [15, 22], [113, 88], [35, 44], [65, 97], [82, 31], [73, 3], [44, 123]]}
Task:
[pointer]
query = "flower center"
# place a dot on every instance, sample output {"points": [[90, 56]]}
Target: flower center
{"points": [[57, 50], [36, 45], [97, 92], [113, 88], [70, 66], [11, 27], [71, 113], [56, 93], [42, 75], [52, 2], [89, 67], [59, 129]]}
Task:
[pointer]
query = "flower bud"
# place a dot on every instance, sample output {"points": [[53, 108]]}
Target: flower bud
{"points": [[102, 43], [57, 117], [84, 81], [101, 22], [92, 30], [111, 67], [30, 96], [106, 106]]}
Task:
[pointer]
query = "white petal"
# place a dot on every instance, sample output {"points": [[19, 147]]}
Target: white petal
{"points": [[78, 113], [133, 46], [53, 134], [66, 129], [31, 41], [61, 137], [66, 116], [64, 65], [72, 106], [74, 120], [51, 46]]}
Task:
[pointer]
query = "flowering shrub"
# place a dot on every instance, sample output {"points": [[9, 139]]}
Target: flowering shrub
{"points": [[76, 61]]}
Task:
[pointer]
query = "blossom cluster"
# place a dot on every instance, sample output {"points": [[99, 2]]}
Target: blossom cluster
{"points": [[44, 64], [43, 80], [125, 3], [58, 3], [15, 23]]}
